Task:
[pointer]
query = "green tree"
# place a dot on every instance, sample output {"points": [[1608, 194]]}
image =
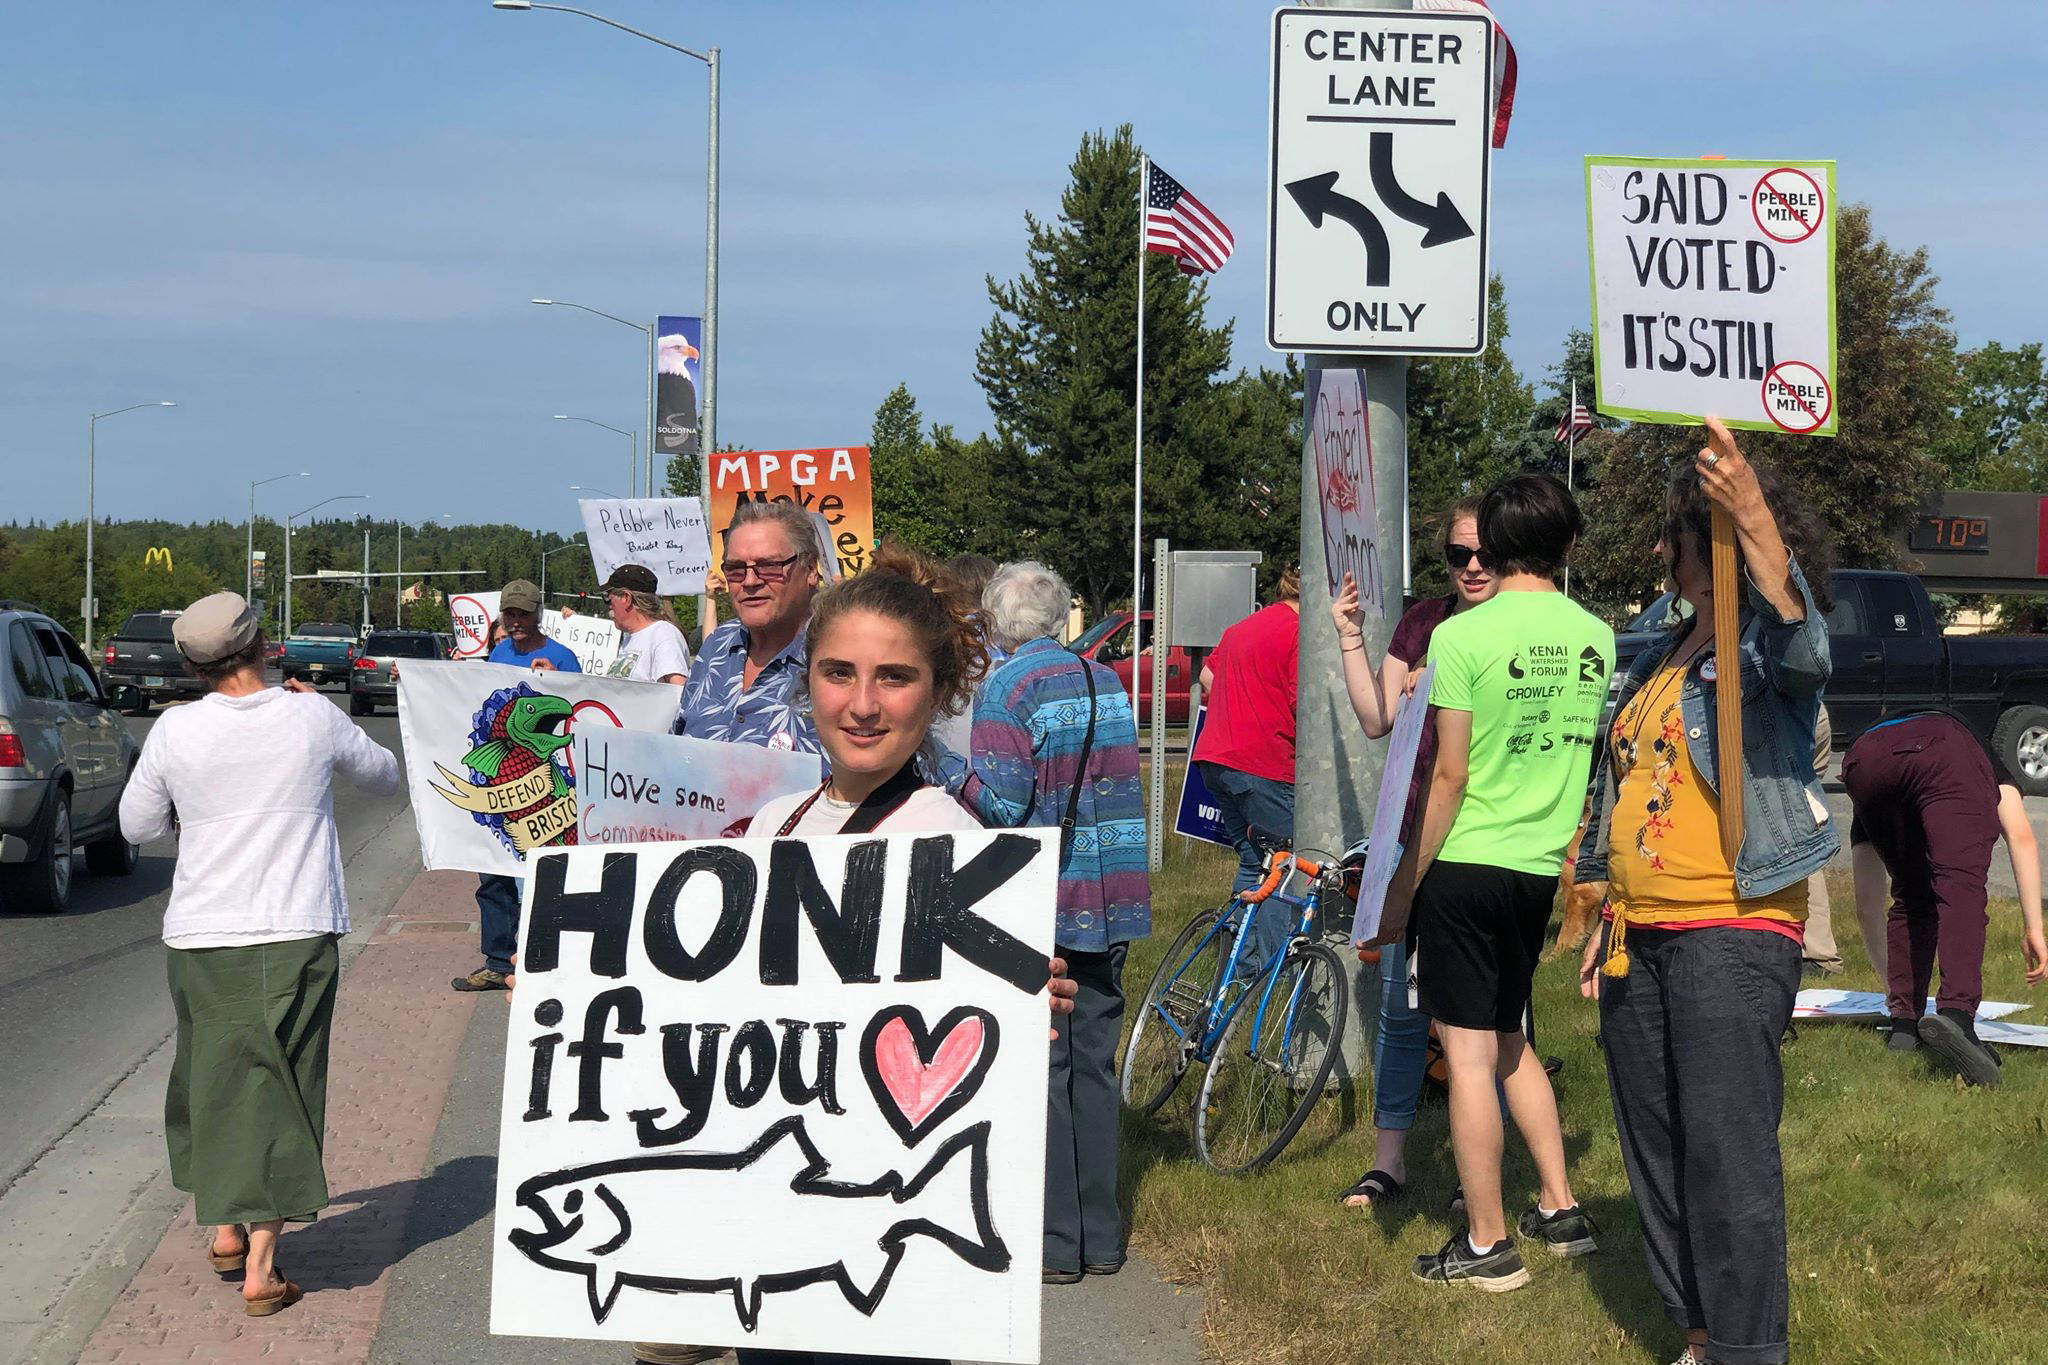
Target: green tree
{"points": [[1058, 365], [912, 488], [1468, 423], [1999, 436], [1896, 377]]}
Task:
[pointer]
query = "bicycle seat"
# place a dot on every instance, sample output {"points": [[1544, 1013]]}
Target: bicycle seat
{"points": [[1266, 841]]}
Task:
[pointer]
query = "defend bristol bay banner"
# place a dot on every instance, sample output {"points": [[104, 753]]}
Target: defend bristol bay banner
{"points": [[1714, 291], [831, 481], [665, 535], [679, 364], [489, 766], [787, 1094]]}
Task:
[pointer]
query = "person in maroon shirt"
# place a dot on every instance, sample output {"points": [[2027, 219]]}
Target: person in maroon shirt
{"points": [[1400, 1049], [1246, 752]]}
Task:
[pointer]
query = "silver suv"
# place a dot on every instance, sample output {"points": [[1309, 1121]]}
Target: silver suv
{"points": [[65, 757]]}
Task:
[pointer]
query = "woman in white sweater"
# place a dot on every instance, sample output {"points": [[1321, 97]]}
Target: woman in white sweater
{"points": [[257, 905]]}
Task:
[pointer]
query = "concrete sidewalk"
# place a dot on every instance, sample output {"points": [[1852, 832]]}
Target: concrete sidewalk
{"points": [[397, 1270]]}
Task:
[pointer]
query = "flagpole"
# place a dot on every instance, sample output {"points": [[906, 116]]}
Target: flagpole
{"points": [[1571, 450], [1138, 452]]}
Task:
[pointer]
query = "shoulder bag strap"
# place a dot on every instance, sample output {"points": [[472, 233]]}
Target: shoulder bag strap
{"points": [[1081, 769]]}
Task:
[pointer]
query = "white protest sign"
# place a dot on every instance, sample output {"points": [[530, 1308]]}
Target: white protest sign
{"points": [[1714, 291], [666, 535], [594, 640], [1376, 209], [786, 1094], [1839, 1004], [634, 786], [488, 758], [1344, 483], [1383, 848]]}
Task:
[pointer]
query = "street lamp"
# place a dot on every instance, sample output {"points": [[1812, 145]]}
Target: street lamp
{"points": [[652, 342], [398, 589], [249, 555], [286, 632], [587, 488], [709, 57], [576, 543], [91, 431], [632, 439]]}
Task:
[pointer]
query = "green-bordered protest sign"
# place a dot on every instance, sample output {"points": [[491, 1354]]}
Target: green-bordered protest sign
{"points": [[1714, 291]]}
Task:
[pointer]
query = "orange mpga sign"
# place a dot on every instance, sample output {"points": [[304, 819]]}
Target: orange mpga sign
{"points": [[831, 481]]}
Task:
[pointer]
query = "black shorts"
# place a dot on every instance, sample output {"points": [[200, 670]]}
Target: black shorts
{"points": [[1478, 933]]}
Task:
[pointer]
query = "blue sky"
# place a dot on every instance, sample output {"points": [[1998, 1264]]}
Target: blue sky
{"points": [[316, 226]]}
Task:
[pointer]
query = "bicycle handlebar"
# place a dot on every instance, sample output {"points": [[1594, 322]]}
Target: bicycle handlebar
{"points": [[1278, 865]]}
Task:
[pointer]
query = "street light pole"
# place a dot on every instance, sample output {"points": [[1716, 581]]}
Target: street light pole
{"points": [[709, 441], [632, 438], [88, 607], [573, 543], [649, 331], [249, 554], [285, 627]]}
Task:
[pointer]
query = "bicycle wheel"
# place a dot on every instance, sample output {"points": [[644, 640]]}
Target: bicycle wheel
{"points": [[1175, 1012], [1261, 1086]]}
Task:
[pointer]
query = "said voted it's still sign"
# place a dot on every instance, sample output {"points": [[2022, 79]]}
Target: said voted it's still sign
{"points": [[785, 1094]]}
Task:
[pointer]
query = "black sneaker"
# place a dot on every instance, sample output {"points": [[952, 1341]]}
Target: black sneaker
{"points": [[1496, 1270], [1568, 1232], [1904, 1036], [1958, 1046]]}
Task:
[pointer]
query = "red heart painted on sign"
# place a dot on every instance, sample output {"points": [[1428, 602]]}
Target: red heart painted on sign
{"points": [[922, 1077]]}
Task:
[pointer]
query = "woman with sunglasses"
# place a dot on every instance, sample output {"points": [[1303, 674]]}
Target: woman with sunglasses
{"points": [[890, 652], [1400, 1054]]}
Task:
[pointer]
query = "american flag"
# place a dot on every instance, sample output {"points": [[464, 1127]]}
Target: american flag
{"points": [[1177, 225], [1503, 64], [1576, 420]]}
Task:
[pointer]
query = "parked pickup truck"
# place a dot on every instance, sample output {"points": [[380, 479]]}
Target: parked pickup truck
{"points": [[319, 652], [1890, 656], [142, 655], [1108, 642]]}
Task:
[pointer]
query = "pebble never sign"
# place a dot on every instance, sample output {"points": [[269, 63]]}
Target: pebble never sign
{"points": [[1714, 291], [1377, 202]]}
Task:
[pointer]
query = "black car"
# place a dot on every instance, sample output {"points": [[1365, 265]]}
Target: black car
{"points": [[373, 677], [142, 655]]}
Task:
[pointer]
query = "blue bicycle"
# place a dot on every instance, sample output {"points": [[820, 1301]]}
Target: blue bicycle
{"points": [[1269, 1039]]}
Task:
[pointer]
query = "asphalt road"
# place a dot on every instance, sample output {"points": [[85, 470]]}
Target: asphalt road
{"points": [[82, 996]]}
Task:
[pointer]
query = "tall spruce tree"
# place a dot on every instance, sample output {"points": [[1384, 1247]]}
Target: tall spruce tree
{"points": [[1058, 364]]}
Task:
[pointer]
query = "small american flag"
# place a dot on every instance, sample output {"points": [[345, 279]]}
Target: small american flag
{"points": [[1576, 420], [1177, 225]]}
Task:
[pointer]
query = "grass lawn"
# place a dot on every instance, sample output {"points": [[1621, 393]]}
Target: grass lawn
{"points": [[1918, 1207]]}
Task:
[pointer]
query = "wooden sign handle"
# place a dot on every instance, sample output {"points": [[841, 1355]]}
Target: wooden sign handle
{"points": [[1728, 682]]}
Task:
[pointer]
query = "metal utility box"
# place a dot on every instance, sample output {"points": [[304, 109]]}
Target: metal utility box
{"points": [[1212, 591]]}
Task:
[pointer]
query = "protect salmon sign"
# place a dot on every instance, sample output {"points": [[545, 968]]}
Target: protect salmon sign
{"points": [[1714, 291], [780, 1093]]}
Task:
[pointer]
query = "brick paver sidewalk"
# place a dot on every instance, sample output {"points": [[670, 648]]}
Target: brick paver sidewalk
{"points": [[397, 1028]]}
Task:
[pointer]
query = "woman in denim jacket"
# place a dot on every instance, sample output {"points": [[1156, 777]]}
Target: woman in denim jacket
{"points": [[1697, 971]]}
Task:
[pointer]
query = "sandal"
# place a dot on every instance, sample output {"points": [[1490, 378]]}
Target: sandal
{"points": [[263, 1305], [1375, 1187], [226, 1262]]}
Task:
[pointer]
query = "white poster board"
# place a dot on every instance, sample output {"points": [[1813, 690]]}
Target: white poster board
{"points": [[1714, 291], [786, 1094], [1838, 1004], [667, 535], [1344, 483], [489, 754], [634, 786], [1383, 848], [593, 639]]}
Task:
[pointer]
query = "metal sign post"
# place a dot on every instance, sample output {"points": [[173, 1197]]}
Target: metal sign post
{"points": [[1162, 632]]}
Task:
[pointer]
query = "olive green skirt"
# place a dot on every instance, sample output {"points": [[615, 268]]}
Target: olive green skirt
{"points": [[246, 1113]]}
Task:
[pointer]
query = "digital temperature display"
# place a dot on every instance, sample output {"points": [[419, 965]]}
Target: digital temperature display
{"points": [[1952, 535]]}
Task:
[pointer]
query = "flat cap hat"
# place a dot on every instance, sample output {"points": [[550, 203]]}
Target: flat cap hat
{"points": [[216, 627]]}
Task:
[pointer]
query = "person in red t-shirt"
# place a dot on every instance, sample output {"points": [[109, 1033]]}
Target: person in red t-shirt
{"points": [[1246, 752]]}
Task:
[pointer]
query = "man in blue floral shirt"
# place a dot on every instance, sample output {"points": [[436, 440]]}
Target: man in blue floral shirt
{"points": [[747, 679]]}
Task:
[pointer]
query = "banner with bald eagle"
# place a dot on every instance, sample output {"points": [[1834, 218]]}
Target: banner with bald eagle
{"points": [[492, 757]]}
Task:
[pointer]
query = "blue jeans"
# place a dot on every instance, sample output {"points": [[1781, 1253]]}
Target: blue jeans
{"points": [[497, 904], [1243, 801], [1400, 1052]]}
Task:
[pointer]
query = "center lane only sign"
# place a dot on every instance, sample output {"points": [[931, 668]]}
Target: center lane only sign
{"points": [[1376, 206]]}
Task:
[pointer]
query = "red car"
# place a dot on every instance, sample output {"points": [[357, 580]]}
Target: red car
{"points": [[1108, 642]]}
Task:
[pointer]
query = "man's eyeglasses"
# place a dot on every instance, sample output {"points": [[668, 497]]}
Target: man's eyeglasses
{"points": [[1458, 556], [767, 570]]}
